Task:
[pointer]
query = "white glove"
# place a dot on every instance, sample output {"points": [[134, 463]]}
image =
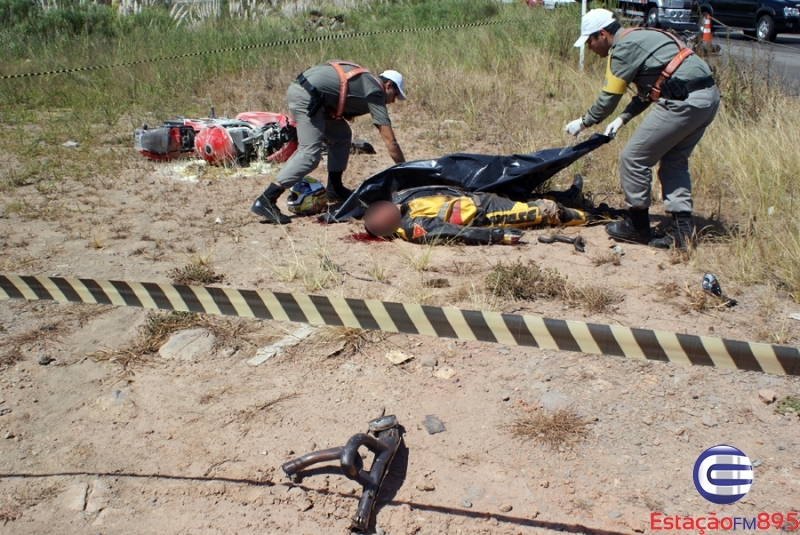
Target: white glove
{"points": [[575, 127], [614, 127]]}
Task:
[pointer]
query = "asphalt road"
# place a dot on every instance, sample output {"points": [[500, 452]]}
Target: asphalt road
{"points": [[780, 59]]}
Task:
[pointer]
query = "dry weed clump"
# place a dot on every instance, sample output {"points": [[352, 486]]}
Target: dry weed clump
{"points": [[530, 282], [518, 281], [593, 298], [195, 273], [606, 257], [562, 428], [699, 300], [347, 340], [12, 348]]}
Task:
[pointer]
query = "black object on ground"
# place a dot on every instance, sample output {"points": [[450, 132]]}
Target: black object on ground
{"points": [[382, 440], [711, 285], [433, 424], [577, 241]]}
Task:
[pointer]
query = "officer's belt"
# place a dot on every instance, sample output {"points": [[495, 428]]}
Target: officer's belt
{"points": [[694, 85], [700, 83]]}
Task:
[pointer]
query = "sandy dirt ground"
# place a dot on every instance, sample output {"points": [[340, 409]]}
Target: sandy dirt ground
{"points": [[96, 437]]}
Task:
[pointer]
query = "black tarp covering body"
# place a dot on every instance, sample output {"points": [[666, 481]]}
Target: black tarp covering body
{"points": [[513, 176]]}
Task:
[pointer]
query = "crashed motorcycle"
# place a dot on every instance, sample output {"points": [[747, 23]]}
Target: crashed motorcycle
{"points": [[253, 135]]}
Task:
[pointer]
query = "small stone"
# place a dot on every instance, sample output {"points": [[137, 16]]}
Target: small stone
{"points": [[429, 360], [756, 463], [74, 498], [709, 421], [466, 503], [545, 484], [303, 504], [425, 484], [781, 446], [433, 424], [647, 420], [503, 351], [614, 514], [505, 397], [506, 507], [9, 435], [445, 373], [188, 345], [379, 531], [70, 144], [397, 357], [766, 395], [44, 360]]}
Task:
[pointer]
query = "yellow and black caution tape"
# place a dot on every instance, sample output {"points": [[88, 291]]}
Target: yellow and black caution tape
{"points": [[442, 322], [284, 42]]}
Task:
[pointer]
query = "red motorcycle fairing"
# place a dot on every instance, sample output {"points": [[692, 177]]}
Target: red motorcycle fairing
{"points": [[215, 145]]}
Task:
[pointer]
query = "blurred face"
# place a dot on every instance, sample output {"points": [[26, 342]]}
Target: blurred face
{"points": [[391, 91], [600, 43]]}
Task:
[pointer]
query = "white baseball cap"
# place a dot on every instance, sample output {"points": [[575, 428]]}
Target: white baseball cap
{"points": [[397, 78], [594, 21]]}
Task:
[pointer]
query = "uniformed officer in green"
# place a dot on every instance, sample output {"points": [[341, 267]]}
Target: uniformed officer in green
{"points": [[322, 100], [686, 105]]}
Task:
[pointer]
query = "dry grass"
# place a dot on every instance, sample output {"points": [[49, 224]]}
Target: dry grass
{"points": [[14, 345], [347, 340], [234, 333], [193, 273], [593, 298], [698, 300], [560, 429], [605, 257], [529, 282]]}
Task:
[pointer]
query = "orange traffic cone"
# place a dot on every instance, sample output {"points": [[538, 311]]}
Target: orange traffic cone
{"points": [[707, 30]]}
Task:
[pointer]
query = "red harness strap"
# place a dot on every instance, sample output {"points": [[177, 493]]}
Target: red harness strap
{"points": [[344, 79], [672, 66]]}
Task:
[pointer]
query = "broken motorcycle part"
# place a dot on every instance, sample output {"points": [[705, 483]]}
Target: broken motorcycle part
{"points": [[577, 241], [382, 440]]}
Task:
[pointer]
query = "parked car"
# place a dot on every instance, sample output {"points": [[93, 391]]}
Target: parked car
{"points": [[674, 14], [764, 19]]}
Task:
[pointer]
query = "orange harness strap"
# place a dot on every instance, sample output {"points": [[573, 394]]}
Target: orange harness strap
{"points": [[672, 66], [344, 79]]}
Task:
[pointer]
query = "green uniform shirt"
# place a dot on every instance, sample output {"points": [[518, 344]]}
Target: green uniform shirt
{"points": [[364, 95], [639, 58]]}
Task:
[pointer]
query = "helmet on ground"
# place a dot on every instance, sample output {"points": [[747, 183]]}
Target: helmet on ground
{"points": [[307, 197], [214, 144]]}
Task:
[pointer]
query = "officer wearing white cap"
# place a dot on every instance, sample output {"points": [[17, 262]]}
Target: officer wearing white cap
{"points": [[685, 99], [322, 100]]}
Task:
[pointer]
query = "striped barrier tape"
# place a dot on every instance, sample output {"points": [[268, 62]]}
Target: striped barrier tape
{"points": [[297, 41], [441, 322]]}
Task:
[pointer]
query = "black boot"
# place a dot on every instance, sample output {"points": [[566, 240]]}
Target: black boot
{"points": [[634, 228], [572, 197], [679, 236], [265, 205], [336, 192]]}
